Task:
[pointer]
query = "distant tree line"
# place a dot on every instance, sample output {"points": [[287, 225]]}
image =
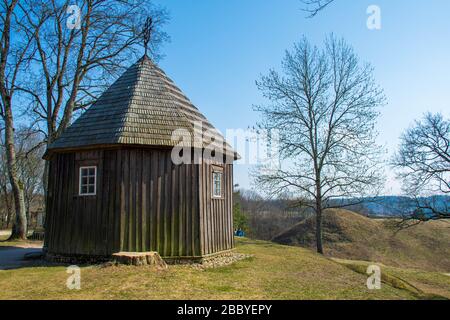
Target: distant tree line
{"points": [[264, 219]]}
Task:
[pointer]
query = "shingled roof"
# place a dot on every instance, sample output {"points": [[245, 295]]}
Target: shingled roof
{"points": [[143, 107]]}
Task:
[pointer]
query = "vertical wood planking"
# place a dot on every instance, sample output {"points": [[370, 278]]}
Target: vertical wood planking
{"points": [[131, 168], [160, 201], [174, 205], [201, 226], [168, 205], [139, 201], [144, 197], [182, 191], [119, 203], [143, 203]]}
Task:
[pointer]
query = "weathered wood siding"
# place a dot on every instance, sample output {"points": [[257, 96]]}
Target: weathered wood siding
{"points": [[143, 203], [216, 215]]}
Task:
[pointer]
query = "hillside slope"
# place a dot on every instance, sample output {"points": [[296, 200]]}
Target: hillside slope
{"points": [[274, 272], [348, 235]]}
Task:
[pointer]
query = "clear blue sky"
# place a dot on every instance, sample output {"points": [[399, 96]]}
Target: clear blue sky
{"points": [[219, 48]]}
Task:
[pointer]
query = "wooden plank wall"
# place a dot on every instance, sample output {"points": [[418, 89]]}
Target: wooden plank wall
{"points": [[159, 204], [77, 225], [216, 218], [143, 203]]}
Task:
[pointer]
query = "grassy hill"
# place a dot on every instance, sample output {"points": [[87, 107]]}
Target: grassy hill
{"points": [[274, 272], [348, 235]]}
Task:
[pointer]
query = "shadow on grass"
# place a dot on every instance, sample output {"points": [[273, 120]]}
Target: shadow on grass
{"points": [[15, 256]]}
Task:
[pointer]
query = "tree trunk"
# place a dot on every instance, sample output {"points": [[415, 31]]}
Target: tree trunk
{"points": [[45, 175], [20, 224], [8, 211], [319, 229], [45, 178], [319, 214]]}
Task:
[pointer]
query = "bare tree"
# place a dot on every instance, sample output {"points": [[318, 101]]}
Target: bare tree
{"points": [[6, 207], [77, 59], [423, 164], [30, 165], [313, 7], [325, 109], [29, 170], [14, 49]]}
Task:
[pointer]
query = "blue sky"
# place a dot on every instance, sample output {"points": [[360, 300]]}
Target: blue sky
{"points": [[219, 48]]}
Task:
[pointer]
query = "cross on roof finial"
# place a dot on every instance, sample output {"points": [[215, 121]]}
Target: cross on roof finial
{"points": [[147, 32]]}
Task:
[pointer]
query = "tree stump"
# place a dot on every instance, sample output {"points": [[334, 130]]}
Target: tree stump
{"points": [[140, 259]]}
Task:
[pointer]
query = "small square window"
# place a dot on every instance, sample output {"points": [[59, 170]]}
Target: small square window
{"points": [[88, 181], [217, 184]]}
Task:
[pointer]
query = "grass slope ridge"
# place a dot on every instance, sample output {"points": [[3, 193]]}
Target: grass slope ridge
{"points": [[348, 235], [422, 284], [274, 272]]}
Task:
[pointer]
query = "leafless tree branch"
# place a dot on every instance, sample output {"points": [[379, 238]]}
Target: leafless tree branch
{"points": [[313, 7], [423, 164]]}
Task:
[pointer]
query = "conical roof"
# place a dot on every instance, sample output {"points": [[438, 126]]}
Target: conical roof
{"points": [[143, 107]]}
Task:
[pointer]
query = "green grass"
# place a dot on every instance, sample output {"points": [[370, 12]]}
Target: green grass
{"points": [[274, 272]]}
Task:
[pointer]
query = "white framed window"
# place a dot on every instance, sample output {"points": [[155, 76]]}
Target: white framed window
{"points": [[217, 184], [88, 181]]}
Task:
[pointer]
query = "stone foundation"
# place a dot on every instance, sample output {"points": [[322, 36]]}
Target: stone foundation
{"points": [[222, 261], [136, 259], [76, 259], [197, 260]]}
